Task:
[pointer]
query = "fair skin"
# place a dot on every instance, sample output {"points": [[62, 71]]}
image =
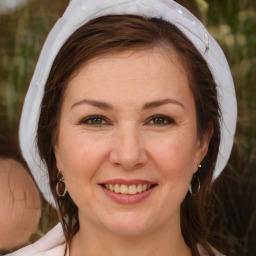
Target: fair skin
{"points": [[20, 204], [128, 120]]}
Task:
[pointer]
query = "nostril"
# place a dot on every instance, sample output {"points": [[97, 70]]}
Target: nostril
{"points": [[128, 159]]}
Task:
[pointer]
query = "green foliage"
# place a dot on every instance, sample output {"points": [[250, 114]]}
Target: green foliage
{"points": [[232, 215]]}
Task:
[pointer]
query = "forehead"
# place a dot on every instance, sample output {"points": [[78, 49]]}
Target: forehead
{"points": [[149, 73]]}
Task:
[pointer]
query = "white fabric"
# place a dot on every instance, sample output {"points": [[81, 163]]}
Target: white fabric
{"points": [[202, 252], [52, 244], [81, 11]]}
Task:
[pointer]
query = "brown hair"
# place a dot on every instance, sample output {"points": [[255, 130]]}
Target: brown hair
{"points": [[116, 33]]}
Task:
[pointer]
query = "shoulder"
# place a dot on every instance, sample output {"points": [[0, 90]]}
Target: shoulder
{"points": [[52, 244]]}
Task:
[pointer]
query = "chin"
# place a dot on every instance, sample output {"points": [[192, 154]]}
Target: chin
{"points": [[128, 226]]}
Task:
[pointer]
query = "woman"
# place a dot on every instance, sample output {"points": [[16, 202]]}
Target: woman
{"points": [[133, 108]]}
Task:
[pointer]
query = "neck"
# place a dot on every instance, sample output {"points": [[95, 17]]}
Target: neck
{"points": [[91, 241]]}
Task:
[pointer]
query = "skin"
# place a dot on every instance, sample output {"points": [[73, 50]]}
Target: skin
{"points": [[20, 205], [129, 144]]}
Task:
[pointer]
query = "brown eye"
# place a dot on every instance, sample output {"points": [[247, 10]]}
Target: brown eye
{"points": [[161, 120], [94, 121]]}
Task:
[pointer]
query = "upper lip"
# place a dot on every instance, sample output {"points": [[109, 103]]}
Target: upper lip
{"points": [[127, 182]]}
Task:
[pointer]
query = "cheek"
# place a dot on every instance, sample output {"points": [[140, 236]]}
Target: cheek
{"points": [[77, 147], [174, 156], [81, 155], [177, 147]]}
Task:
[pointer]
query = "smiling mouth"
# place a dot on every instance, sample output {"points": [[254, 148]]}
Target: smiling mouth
{"points": [[128, 189]]}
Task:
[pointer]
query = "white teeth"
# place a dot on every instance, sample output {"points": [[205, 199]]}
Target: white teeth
{"points": [[132, 190], [144, 187], [117, 188], [127, 190], [111, 187], [123, 189], [139, 188]]}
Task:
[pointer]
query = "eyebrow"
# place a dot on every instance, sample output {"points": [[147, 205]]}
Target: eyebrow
{"points": [[158, 103], [95, 103], [106, 106]]}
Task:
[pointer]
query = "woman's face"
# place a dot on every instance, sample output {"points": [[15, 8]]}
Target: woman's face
{"points": [[128, 124]]}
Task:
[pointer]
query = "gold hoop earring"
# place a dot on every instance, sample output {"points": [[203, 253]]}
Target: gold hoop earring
{"points": [[61, 189], [195, 179]]}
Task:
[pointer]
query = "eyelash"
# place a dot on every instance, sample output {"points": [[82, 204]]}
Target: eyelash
{"points": [[160, 120], [166, 120], [93, 118]]}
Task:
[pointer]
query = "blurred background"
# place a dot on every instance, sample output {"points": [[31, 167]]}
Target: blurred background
{"points": [[24, 25]]}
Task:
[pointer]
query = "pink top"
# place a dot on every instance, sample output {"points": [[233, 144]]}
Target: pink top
{"points": [[52, 244]]}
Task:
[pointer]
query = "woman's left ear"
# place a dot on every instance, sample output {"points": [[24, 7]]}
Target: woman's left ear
{"points": [[203, 142]]}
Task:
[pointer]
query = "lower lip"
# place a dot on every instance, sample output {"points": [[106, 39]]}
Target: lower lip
{"points": [[128, 199]]}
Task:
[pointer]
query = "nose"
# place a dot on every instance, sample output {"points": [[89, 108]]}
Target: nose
{"points": [[128, 150]]}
